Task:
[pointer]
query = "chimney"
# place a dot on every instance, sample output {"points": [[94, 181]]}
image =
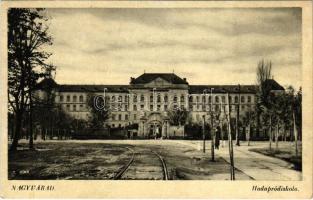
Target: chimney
{"points": [[185, 79], [132, 79]]}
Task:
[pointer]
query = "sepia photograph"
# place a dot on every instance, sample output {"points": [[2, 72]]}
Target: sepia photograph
{"points": [[155, 94], [156, 99]]}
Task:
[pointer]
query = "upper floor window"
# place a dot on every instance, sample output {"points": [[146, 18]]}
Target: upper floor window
{"points": [[113, 98], [249, 99], [151, 107], [151, 98], [135, 98], [142, 107], [175, 99], [242, 99], [210, 99], [203, 99], [236, 99], [165, 98], [81, 98], [217, 99], [68, 98], [159, 98], [197, 98], [61, 98], [68, 107], [126, 108], [126, 117], [182, 98], [120, 117], [230, 99], [74, 98], [81, 107], [74, 107], [135, 107], [142, 98], [120, 98], [190, 99]]}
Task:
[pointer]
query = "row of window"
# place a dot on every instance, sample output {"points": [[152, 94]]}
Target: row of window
{"points": [[75, 107], [73, 99], [217, 99], [199, 107], [235, 99]]}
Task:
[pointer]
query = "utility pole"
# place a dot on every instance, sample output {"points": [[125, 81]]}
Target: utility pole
{"points": [[212, 127], [203, 132], [230, 144], [237, 117]]}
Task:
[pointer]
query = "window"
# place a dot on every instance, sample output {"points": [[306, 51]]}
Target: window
{"points": [[159, 107], [61, 98], [197, 98], [135, 98], [236, 99], [126, 117], [230, 99], [126, 108], [119, 117], [182, 98], [135, 117], [81, 107], [113, 125], [142, 98], [113, 98], [165, 98], [203, 99], [217, 108], [249, 99], [242, 99], [142, 107], [74, 98], [74, 107], [81, 98], [242, 107], [120, 98], [159, 98], [165, 107], [223, 99], [68, 98], [210, 99], [113, 117], [175, 99], [190, 99], [151, 98], [175, 107], [151, 107], [217, 99], [135, 107], [68, 107]]}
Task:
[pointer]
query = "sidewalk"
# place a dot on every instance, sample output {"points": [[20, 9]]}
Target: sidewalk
{"points": [[255, 165]]}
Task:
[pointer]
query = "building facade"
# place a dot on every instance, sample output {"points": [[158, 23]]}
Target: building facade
{"points": [[148, 98]]}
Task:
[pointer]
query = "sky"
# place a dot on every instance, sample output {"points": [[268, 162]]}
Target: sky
{"points": [[205, 45]]}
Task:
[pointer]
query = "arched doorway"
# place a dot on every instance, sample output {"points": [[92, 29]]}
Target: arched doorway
{"points": [[155, 129]]}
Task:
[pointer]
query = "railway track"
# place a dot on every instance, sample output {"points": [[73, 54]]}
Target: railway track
{"points": [[144, 164]]}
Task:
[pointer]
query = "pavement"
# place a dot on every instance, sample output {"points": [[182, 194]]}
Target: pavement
{"points": [[255, 165]]}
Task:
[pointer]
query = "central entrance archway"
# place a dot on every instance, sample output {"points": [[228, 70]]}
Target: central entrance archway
{"points": [[155, 129]]}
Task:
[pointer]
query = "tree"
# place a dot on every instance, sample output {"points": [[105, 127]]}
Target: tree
{"points": [[99, 110], [178, 117], [248, 120], [263, 106], [27, 34]]}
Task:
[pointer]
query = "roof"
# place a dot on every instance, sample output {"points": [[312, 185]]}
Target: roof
{"points": [[197, 89], [272, 84], [46, 83], [94, 88], [148, 77]]}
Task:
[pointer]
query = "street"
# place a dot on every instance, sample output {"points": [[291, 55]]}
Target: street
{"points": [[143, 160]]}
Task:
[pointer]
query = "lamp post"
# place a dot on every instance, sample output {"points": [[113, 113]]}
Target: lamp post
{"points": [[212, 126], [203, 132]]}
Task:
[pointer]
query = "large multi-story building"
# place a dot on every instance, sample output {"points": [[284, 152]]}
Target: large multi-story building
{"points": [[148, 98]]}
